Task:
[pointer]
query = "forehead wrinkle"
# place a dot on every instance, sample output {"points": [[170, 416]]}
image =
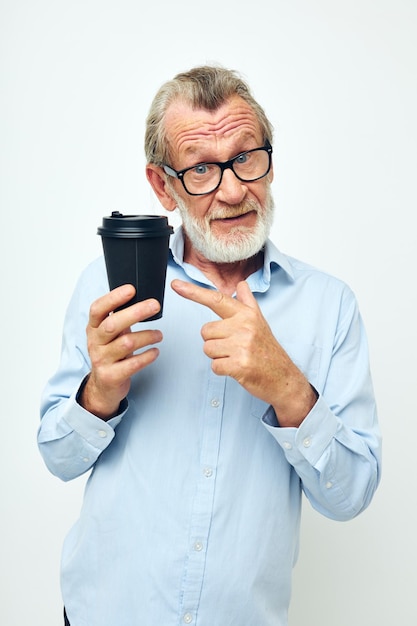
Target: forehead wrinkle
{"points": [[196, 126], [201, 147]]}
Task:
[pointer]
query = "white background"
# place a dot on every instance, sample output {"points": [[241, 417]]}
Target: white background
{"points": [[338, 80]]}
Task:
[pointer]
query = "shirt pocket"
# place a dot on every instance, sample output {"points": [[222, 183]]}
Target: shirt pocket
{"points": [[307, 358]]}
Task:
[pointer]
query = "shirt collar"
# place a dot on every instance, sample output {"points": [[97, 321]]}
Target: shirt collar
{"points": [[259, 281]]}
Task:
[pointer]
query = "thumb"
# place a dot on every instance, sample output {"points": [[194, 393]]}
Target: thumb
{"points": [[245, 296]]}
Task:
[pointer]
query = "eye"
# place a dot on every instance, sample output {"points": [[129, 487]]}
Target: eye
{"points": [[202, 168], [242, 158]]}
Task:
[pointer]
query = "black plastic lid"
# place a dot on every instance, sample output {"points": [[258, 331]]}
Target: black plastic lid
{"points": [[119, 225]]}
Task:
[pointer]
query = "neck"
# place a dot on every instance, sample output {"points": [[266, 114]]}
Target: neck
{"points": [[225, 276]]}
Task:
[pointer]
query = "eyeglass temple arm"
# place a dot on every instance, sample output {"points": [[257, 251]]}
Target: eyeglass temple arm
{"points": [[170, 171]]}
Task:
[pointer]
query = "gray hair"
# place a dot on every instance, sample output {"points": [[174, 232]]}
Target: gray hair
{"points": [[205, 87]]}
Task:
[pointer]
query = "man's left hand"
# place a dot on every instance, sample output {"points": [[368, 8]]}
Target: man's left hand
{"points": [[241, 345]]}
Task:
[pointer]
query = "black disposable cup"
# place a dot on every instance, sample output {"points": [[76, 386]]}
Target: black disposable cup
{"points": [[136, 252]]}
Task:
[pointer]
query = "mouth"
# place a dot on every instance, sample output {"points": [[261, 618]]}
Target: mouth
{"points": [[234, 218]]}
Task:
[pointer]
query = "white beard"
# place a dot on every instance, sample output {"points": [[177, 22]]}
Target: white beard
{"points": [[240, 243]]}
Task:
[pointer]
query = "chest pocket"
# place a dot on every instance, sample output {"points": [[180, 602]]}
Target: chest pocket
{"points": [[307, 358]]}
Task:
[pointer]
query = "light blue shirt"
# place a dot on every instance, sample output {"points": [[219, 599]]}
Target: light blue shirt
{"points": [[192, 508]]}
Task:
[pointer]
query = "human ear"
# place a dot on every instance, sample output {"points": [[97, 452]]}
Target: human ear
{"points": [[156, 178]]}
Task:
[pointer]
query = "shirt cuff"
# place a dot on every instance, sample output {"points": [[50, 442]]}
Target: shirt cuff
{"points": [[310, 440], [95, 431]]}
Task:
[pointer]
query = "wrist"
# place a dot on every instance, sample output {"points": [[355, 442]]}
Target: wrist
{"points": [[292, 409], [95, 402]]}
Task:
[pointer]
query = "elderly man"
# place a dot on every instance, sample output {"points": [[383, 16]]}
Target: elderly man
{"points": [[259, 390]]}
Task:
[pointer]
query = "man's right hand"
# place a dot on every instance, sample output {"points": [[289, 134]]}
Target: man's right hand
{"points": [[111, 346]]}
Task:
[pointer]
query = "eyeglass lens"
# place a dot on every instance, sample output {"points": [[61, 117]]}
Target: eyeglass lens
{"points": [[247, 166]]}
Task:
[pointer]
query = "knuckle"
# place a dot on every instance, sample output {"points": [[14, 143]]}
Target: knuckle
{"points": [[106, 377], [97, 361], [94, 309], [127, 342], [218, 297], [108, 325], [90, 346], [245, 362]]}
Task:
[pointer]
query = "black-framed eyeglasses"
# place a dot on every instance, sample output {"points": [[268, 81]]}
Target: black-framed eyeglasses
{"points": [[204, 178]]}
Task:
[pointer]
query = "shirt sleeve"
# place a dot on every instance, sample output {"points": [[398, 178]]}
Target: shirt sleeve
{"points": [[336, 451], [71, 439]]}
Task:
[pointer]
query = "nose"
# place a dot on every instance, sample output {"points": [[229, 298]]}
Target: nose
{"points": [[231, 189]]}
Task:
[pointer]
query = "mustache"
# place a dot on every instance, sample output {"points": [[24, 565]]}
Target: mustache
{"points": [[234, 210]]}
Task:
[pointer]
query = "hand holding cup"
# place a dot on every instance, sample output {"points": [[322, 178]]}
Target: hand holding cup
{"points": [[113, 348]]}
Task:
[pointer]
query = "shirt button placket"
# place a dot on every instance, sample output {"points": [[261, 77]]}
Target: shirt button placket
{"points": [[202, 512]]}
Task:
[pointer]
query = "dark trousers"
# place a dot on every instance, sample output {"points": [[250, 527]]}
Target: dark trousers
{"points": [[66, 622]]}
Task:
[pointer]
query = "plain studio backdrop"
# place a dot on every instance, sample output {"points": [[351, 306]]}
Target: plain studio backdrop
{"points": [[338, 79]]}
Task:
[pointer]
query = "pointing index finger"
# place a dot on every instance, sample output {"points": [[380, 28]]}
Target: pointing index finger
{"points": [[223, 305]]}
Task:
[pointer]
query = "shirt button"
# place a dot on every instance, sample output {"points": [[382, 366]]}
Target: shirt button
{"points": [[287, 445], [208, 472], [215, 403], [198, 546], [102, 433], [86, 459], [329, 484], [307, 442], [188, 618]]}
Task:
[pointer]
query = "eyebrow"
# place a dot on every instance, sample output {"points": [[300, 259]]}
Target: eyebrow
{"points": [[196, 152]]}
